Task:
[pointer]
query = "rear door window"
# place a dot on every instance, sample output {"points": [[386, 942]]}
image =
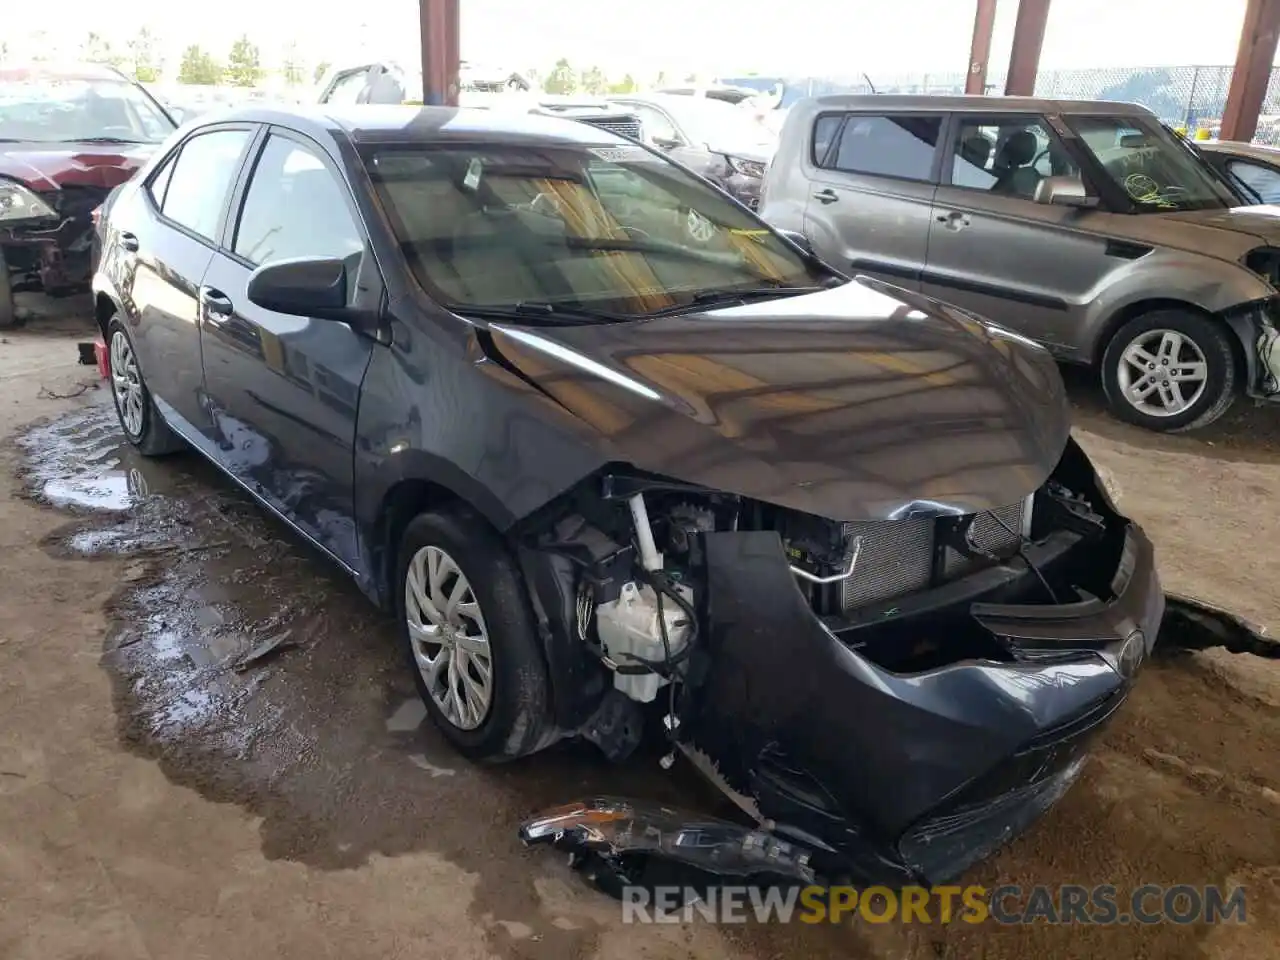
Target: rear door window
{"points": [[202, 178], [888, 145]]}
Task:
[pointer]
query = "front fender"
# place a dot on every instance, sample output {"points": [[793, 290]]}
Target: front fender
{"points": [[1170, 276]]}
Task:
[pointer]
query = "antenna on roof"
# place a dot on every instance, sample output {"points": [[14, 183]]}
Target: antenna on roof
{"points": [[870, 84]]}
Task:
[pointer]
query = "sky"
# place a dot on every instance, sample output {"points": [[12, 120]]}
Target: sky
{"points": [[809, 37]]}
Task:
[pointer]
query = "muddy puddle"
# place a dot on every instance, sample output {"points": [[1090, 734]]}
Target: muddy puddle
{"points": [[254, 673], [322, 736]]}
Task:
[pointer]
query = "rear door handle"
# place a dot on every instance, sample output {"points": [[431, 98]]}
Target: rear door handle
{"points": [[216, 302], [129, 241], [826, 196], [954, 220]]}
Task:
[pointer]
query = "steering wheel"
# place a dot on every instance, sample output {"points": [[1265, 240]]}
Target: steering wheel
{"points": [[1141, 187]]}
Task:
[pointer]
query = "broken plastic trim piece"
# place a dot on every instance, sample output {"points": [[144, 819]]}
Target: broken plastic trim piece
{"points": [[626, 837], [1191, 624]]}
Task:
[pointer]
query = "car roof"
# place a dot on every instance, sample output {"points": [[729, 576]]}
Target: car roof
{"points": [[61, 71], [370, 123], [674, 101], [977, 104]]}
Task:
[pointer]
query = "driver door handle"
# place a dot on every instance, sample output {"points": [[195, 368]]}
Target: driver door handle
{"points": [[826, 196], [129, 241], [215, 302]]}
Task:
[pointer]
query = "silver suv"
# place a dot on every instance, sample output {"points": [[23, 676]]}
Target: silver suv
{"points": [[1085, 225]]}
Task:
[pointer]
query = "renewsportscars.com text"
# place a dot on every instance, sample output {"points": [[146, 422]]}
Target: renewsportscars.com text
{"points": [[1068, 904]]}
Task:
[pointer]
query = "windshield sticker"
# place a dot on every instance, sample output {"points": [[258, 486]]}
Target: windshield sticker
{"points": [[622, 154], [472, 180]]}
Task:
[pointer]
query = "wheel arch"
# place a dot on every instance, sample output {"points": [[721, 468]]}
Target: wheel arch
{"points": [[104, 308], [414, 482], [1138, 308]]}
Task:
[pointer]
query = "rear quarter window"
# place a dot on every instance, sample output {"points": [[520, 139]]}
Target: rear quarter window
{"points": [[901, 146]]}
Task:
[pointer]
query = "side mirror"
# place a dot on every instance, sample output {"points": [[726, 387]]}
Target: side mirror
{"points": [[1064, 192], [305, 287], [798, 238], [666, 143]]}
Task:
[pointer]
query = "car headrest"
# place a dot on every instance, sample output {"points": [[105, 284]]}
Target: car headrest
{"points": [[1020, 149]]}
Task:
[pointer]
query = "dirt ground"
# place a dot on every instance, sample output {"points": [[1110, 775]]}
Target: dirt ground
{"points": [[157, 802]]}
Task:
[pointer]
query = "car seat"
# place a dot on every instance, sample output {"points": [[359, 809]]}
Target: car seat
{"points": [[1014, 173], [976, 149]]}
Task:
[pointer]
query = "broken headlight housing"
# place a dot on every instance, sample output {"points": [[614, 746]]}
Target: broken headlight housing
{"points": [[19, 203]]}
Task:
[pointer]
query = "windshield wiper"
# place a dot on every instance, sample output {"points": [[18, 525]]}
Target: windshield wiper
{"points": [[537, 309], [99, 140], [729, 295]]}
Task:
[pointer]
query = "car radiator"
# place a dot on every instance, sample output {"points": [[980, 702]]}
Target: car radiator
{"points": [[897, 556]]}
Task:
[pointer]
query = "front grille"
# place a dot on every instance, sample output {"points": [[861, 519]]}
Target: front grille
{"points": [[622, 126], [897, 556]]}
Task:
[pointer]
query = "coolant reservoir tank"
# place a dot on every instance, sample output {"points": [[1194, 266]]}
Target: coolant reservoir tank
{"points": [[629, 627]]}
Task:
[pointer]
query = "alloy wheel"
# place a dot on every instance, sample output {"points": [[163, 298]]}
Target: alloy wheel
{"points": [[126, 384], [449, 638], [1162, 373]]}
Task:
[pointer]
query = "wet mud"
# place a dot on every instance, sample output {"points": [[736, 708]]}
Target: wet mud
{"points": [[323, 737]]}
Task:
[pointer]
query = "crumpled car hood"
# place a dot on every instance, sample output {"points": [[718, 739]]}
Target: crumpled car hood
{"points": [[861, 402], [45, 167]]}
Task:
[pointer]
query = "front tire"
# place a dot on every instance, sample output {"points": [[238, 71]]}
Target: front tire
{"points": [[139, 419], [8, 308], [468, 634], [1170, 371]]}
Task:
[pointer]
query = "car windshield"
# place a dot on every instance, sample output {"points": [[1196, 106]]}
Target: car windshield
{"points": [[59, 110], [615, 229], [719, 124], [1151, 166]]}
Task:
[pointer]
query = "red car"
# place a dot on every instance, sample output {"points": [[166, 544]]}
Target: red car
{"points": [[68, 136]]}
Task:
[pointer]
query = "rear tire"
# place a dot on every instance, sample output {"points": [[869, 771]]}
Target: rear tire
{"points": [[485, 642], [1170, 371], [8, 309], [141, 422]]}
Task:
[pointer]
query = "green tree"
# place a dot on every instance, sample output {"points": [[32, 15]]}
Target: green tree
{"points": [[321, 69], [244, 64], [97, 49], [593, 81], [291, 66], [198, 67], [561, 79], [626, 85], [142, 50]]}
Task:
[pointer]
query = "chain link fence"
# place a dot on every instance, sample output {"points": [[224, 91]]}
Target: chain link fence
{"points": [[1192, 97]]}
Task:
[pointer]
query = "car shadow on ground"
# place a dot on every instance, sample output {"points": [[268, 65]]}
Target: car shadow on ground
{"points": [[1250, 430]]}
